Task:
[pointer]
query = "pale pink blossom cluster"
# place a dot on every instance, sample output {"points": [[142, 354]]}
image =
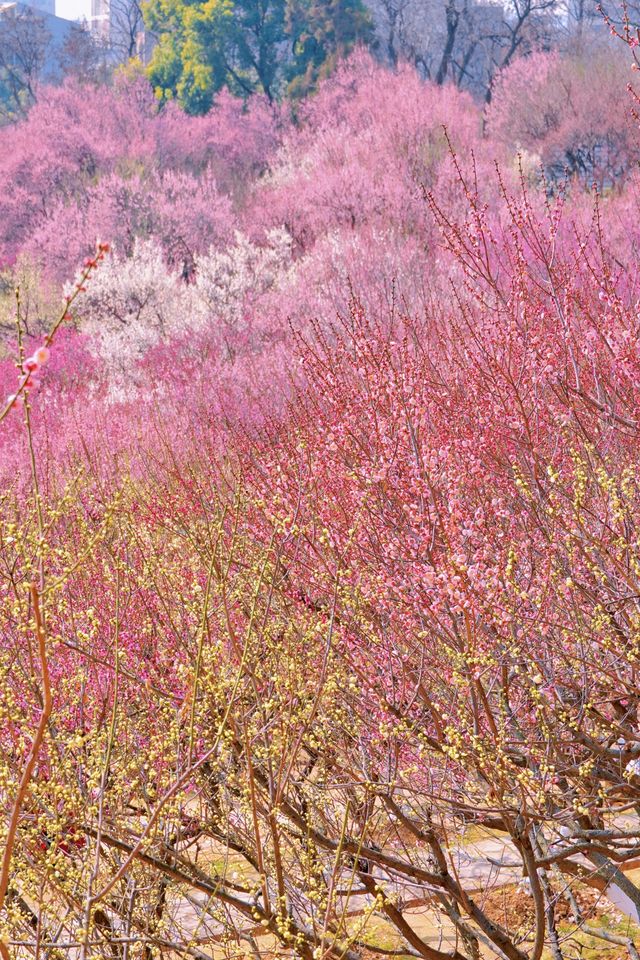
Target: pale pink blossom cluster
{"points": [[136, 303], [29, 381]]}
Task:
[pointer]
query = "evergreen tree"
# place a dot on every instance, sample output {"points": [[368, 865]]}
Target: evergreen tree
{"points": [[322, 31], [263, 46]]}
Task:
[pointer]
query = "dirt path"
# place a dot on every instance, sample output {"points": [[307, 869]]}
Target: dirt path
{"points": [[486, 866]]}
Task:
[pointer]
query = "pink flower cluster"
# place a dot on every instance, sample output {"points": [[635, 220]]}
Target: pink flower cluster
{"points": [[31, 366], [29, 381]]}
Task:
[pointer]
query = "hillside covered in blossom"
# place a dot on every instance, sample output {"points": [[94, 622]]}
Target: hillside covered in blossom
{"points": [[320, 523]]}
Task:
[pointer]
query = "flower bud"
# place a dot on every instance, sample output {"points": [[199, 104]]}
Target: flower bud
{"points": [[41, 355]]}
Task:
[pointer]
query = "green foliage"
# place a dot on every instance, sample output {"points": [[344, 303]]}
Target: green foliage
{"points": [[188, 60], [321, 32], [264, 46]]}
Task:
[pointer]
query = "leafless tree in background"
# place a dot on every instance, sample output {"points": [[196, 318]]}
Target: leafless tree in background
{"points": [[467, 41], [85, 56], [127, 28], [25, 43]]}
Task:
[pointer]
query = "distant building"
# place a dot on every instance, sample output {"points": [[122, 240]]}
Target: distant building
{"points": [[43, 6], [119, 25], [53, 30], [100, 20]]}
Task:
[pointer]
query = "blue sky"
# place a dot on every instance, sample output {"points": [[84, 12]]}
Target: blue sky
{"points": [[73, 9]]}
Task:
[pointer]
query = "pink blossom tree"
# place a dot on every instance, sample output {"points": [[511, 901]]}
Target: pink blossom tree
{"points": [[545, 104]]}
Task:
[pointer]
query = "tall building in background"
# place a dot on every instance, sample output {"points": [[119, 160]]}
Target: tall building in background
{"points": [[119, 24], [100, 20], [31, 43], [38, 12], [43, 6]]}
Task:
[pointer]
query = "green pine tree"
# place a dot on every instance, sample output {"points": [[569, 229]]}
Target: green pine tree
{"points": [[265, 46]]}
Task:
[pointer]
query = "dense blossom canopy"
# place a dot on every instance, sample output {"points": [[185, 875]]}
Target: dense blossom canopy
{"points": [[319, 542]]}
